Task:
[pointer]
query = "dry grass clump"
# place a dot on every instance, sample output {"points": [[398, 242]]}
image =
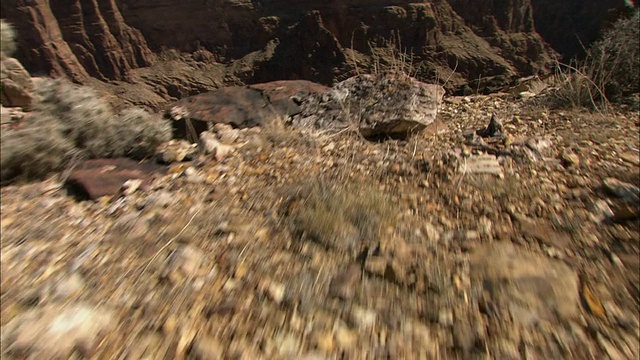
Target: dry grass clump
{"points": [[610, 70], [68, 119], [339, 216], [618, 55], [7, 38]]}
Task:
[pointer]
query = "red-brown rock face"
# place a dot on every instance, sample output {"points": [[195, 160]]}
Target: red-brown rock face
{"points": [[77, 38], [490, 40]]}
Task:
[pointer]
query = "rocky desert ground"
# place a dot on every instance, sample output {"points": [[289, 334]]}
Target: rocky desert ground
{"points": [[380, 217], [304, 245]]}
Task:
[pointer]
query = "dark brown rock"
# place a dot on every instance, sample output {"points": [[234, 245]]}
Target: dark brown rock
{"points": [[543, 233], [487, 40], [343, 285], [93, 179], [286, 95], [242, 106], [298, 54]]}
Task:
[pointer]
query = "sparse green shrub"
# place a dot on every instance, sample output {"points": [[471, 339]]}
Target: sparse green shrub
{"points": [[7, 38], [610, 70], [34, 150], [69, 119], [340, 215]]}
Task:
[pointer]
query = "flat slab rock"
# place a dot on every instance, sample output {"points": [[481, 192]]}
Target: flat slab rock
{"points": [[244, 106], [530, 286], [96, 178], [55, 331]]}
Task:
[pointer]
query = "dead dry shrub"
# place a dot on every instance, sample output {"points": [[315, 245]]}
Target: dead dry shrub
{"points": [[35, 150], [618, 55], [341, 215], [142, 132], [72, 120], [90, 123], [609, 71], [85, 118]]}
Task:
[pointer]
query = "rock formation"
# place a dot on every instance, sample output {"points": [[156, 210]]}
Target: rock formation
{"points": [[78, 39], [378, 106], [17, 87], [488, 43]]}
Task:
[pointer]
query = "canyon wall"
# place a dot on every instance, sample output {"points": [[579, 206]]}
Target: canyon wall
{"points": [[488, 42]]}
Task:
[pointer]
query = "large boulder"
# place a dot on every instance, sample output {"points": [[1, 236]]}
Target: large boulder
{"points": [[17, 87], [241, 106], [383, 105]]}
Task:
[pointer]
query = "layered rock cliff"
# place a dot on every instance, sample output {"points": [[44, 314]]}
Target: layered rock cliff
{"points": [[77, 38], [487, 42]]}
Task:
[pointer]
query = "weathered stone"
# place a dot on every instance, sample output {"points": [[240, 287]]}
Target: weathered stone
{"points": [[68, 286], [494, 128], [362, 318], [569, 158], [623, 190], [93, 179], [56, 331], [176, 151], [10, 117], [78, 39], [16, 84], [531, 287], [391, 105], [543, 232], [183, 263], [240, 106], [207, 348], [481, 164]]}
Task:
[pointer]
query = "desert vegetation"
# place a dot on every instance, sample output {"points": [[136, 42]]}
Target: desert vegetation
{"points": [[339, 215], [71, 122], [609, 71]]}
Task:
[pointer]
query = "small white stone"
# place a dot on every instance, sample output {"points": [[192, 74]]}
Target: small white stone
{"points": [[275, 292]]}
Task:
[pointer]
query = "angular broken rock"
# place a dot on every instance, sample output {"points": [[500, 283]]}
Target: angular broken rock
{"points": [[623, 190], [531, 287], [212, 145], [183, 263], [55, 331], [95, 178], [493, 129], [176, 151], [10, 116], [17, 86], [382, 105], [343, 284], [481, 164]]}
